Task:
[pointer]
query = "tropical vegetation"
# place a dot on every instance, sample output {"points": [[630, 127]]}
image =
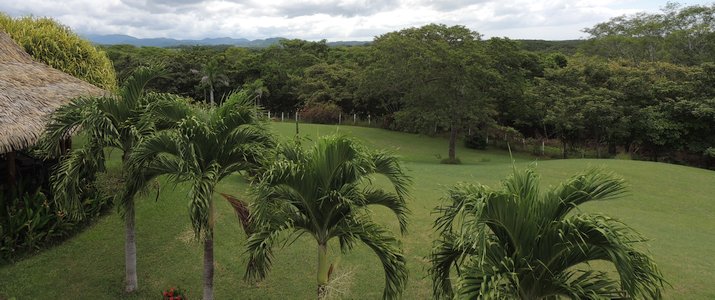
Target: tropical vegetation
{"points": [[203, 148], [639, 87], [112, 121], [663, 208], [518, 242], [325, 192]]}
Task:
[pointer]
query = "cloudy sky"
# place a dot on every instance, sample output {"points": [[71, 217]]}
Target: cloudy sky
{"points": [[328, 19]]}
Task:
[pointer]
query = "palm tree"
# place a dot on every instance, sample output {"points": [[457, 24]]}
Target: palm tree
{"points": [[519, 243], [204, 148], [111, 121], [325, 192], [211, 75]]}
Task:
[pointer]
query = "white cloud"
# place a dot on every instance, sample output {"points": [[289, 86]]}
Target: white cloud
{"points": [[318, 19]]}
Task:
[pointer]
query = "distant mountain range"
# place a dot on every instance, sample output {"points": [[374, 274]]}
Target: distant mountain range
{"points": [[120, 39]]}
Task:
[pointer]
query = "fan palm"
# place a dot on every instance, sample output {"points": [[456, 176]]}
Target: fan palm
{"points": [[325, 192], [203, 148], [517, 243], [111, 121]]}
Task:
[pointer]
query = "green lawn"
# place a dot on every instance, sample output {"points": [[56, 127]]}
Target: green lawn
{"points": [[672, 205]]}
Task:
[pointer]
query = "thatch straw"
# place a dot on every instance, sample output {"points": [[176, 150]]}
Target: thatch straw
{"points": [[29, 92]]}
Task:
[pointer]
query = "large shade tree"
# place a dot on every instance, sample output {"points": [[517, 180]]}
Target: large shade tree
{"points": [[519, 243], [442, 75], [112, 121], [325, 192], [202, 149]]}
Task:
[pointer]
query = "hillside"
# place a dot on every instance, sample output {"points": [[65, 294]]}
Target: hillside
{"points": [[671, 205]]}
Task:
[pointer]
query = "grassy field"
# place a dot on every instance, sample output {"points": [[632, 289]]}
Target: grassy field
{"points": [[672, 205]]}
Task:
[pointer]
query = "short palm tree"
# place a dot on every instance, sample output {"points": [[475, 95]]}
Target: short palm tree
{"points": [[519, 243], [203, 148], [325, 192], [112, 121]]}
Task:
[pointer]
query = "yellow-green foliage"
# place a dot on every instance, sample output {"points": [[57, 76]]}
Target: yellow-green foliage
{"points": [[56, 45]]}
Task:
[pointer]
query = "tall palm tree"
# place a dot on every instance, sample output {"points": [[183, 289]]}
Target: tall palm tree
{"points": [[325, 192], [204, 148], [212, 75], [518, 243], [112, 121]]}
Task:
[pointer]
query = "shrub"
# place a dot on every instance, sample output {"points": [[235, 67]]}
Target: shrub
{"points": [[476, 140], [174, 294], [321, 113], [56, 45], [30, 221]]}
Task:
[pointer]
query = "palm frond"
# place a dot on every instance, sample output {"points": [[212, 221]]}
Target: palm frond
{"points": [[588, 284], [164, 111], [393, 202], [242, 212], [70, 177], [389, 165], [592, 185], [259, 247], [65, 120], [387, 249], [446, 252], [517, 243], [133, 87]]}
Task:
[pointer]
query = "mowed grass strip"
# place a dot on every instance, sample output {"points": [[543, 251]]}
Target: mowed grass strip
{"points": [[671, 205]]}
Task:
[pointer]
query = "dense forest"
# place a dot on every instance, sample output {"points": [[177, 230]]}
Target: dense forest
{"points": [[640, 86]]}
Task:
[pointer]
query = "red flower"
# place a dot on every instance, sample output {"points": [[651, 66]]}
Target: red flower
{"points": [[165, 294]]}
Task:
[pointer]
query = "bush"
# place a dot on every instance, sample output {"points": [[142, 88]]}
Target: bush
{"points": [[321, 113], [476, 140], [30, 221], [56, 45]]}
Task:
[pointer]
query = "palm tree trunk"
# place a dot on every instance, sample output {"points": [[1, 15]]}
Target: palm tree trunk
{"points": [[130, 251], [209, 267], [211, 95], [323, 269]]}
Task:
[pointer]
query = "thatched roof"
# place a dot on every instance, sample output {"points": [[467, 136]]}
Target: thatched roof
{"points": [[29, 92]]}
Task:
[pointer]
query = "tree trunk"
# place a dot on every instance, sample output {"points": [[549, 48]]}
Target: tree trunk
{"points": [[209, 267], [11, 170], [211, 95], [323, 269], [130, 251], [563, 142], [452, 144], [612, 148]]}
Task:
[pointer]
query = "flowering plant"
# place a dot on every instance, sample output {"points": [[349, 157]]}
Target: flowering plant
{"points": [[173, 294]]}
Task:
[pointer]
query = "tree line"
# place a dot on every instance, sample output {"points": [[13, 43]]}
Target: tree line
{"points": [[639, 85]]}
